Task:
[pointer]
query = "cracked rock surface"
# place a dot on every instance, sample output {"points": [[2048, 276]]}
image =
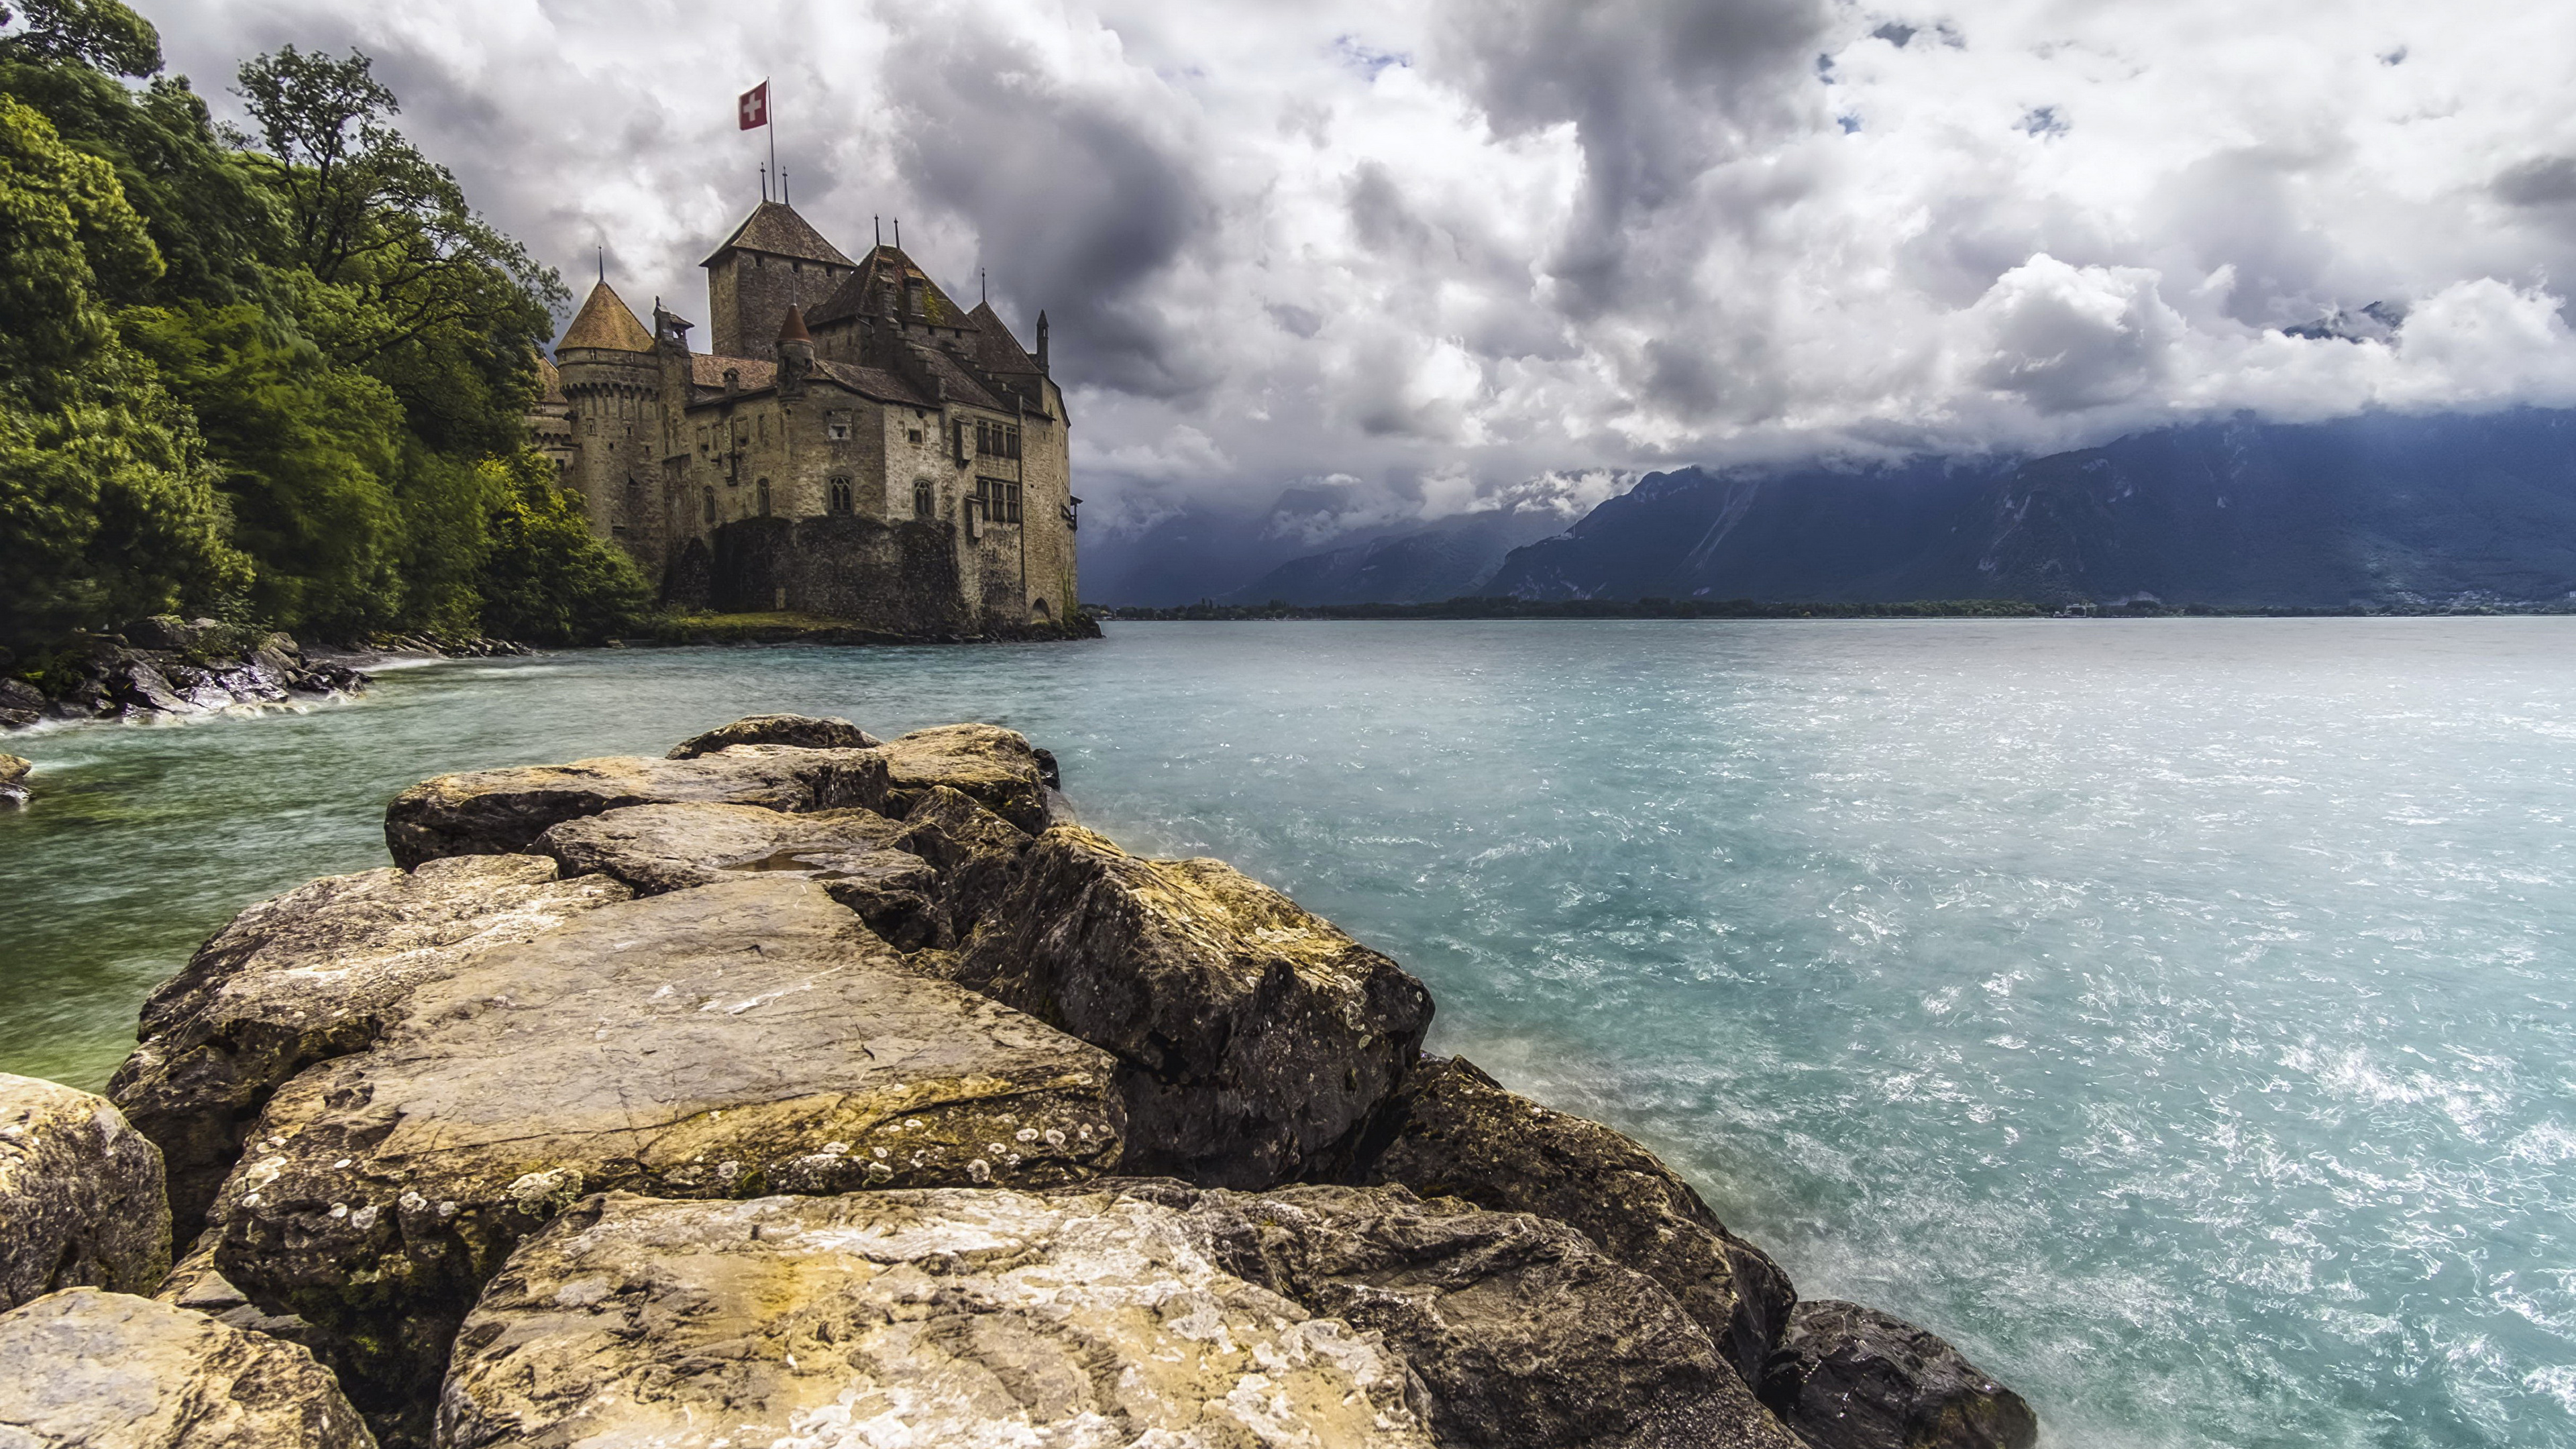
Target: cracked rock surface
{"points": [[805, 731], [657, 848], [310, 975], [987, 764], [724, 1041], [1452, 1131], [81, 1198], [112, 1371], [920, 1318], [1253, 1036], [500, 812]]}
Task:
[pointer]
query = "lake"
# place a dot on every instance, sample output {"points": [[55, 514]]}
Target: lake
{"points": [[2178, 1015]]}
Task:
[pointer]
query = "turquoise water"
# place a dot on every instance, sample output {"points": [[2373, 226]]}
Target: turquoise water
{"points": [[2176, 1014]]}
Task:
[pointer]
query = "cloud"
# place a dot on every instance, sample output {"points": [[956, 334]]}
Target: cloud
{"points": [[1443, 248]]}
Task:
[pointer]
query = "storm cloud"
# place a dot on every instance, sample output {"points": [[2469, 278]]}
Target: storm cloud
{"points": [[1451, 250]]}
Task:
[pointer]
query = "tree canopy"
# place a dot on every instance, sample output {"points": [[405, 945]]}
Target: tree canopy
{"points": [[278, 373]]}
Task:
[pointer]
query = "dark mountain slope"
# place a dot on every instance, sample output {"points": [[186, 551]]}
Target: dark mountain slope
{"points": [[2375, 510], [1440, 560]]}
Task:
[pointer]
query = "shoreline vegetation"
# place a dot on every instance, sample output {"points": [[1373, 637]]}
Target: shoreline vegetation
{"points": [[982, 1084], [1206, 611]]}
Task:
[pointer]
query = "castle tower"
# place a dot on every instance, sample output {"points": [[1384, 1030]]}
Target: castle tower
{"points": [[612, 382], [773, 261]]}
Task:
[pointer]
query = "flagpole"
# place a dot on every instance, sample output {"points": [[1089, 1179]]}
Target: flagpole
{"points": [[769, 123]]}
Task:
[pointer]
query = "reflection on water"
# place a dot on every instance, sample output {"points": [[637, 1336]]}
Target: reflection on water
{"points": [[2177, 1014]]}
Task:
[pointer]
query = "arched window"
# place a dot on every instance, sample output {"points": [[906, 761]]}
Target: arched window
{"points": [[711, 505], [922, 503], [841, 495], [762, 495]]}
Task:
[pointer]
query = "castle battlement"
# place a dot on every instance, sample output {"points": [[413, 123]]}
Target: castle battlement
{"points": [[857, 445]]}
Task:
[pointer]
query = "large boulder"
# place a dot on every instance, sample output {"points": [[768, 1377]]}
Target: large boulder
{"points": [[1452, 1131], [110, 1371], [313, 974], [905, 1318], [657, 848], [13, 780], [726, 1041], [81, 1198], [804, 731], [975, 853], [501, 812], [1849, 1377], [990, 765], [1253, 1037], [1524, 1333]]}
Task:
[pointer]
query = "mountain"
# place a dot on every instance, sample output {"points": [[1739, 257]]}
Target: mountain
{"points": [[1444, 559], [2375, 510]]}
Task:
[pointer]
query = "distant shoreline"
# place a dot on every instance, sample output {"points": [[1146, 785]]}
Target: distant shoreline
{"points": [[1491, 608]]}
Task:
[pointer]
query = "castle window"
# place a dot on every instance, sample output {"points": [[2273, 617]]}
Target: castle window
{"points": [[1011, 505], [841, 495], [837, 427], [923, 505], [762, 490], [711, 505], [912, 435], [634, 498]]}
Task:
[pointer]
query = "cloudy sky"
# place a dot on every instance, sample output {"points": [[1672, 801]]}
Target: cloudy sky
{"points": [[1446, 247]]}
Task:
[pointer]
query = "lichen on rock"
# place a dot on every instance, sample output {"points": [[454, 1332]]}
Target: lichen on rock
{"points": [[113, 1371], [805, 731], [81, 1195]]}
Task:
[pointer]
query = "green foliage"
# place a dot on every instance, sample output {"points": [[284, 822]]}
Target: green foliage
{"points": [[548, 578], [280, 374]]}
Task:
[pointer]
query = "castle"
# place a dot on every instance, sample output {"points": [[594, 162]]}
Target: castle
{"points": [[856, 445]]}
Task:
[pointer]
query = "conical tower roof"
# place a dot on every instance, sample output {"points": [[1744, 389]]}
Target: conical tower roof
{"points": [[791, 328], [606, 322], [549, 381]]}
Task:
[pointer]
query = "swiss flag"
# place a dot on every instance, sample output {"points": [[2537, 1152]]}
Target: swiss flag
{"points": [[754, 107]]}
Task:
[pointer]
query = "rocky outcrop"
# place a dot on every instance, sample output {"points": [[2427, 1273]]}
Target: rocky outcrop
{"points": [[498, 812], [657, 848], [798, 1094], [170, 666], [1253, 1037], [725, 1041], [111, 1371], [13, 780], [924, 1318], [80, 1195], [805, 731], [1524, 1334], [1452, 1131], [987, 764], [1848, 1377], [314, 974]]}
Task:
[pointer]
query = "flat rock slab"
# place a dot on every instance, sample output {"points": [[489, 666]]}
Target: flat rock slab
{"points": [[81, 1195], [1452, 1131], [1523, 1333], [949, 1318], [500, 812], [111, 1371], [1849, 1377], [727, 1041], [805, 731], [1254, 1036], [987, 764], [310, 975], [658, 848]]}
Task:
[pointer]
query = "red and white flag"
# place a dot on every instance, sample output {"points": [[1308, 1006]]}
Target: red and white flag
{"points": [[754, 107]]}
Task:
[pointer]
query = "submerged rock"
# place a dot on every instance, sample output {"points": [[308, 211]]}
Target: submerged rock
{"points": [[805, 731], [13, 780], [1849, 1377], [1524, 1334], [499, 812], [1253, 1036], [111, 1371], [657, 848], [924, 1318], [81, 1199], [725, 1041], [1452, 1131], [313, 974], [987, 764]]}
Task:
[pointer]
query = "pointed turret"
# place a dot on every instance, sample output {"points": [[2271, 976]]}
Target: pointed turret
{"points": [[607, 323]]}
